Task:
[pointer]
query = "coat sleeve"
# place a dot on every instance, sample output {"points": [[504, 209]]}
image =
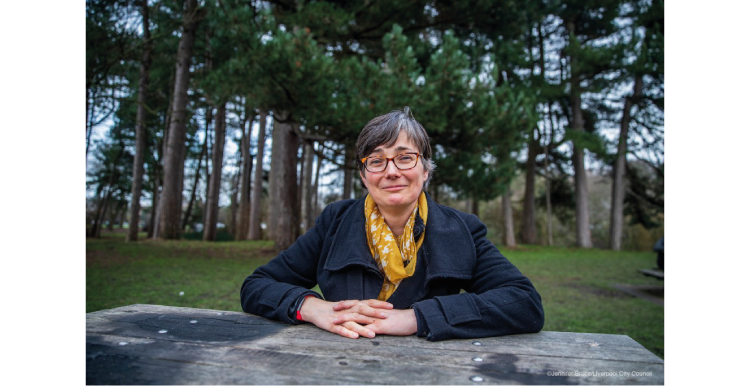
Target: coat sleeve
{"points": [[499, 300], [274, 287]]}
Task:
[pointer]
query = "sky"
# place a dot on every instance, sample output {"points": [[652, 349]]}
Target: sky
{"points": [[707, 132]]}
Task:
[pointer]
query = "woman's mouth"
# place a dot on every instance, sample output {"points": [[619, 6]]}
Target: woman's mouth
{"points": [[394, 188]]}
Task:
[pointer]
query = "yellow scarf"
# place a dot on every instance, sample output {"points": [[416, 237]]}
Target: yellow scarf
{"points": [[396, 257]]}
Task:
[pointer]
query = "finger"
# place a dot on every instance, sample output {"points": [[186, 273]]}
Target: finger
{"points": [[345, 304], [353, 317], [359, 329], [345, 332], [375, 303], [374, 327], [364, 309]]}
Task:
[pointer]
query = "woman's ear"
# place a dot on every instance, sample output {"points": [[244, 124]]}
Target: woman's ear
{"points": [[364, 181]]}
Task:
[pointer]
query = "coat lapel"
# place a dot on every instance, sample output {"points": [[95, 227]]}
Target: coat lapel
{"points": [[349, 250], [448, 252], [448, 244]]}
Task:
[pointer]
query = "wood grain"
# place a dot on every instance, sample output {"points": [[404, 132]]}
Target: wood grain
{"points": [[125, 346]]}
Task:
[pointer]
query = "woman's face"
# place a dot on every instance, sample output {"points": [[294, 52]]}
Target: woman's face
{"points": [[394, 188]]}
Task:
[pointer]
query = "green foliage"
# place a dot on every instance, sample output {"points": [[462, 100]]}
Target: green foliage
{"points": [[486, 78], [592, 141]]}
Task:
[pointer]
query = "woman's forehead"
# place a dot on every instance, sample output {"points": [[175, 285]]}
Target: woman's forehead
{"points": [[403, 143]]}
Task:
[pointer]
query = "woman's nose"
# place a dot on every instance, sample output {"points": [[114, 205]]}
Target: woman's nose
{"points": [[391, 169]]}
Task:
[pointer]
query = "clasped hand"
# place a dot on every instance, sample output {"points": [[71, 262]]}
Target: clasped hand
{"points": [[355, 318]]}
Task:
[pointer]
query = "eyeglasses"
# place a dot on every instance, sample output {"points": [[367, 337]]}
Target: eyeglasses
{"points": [[377, 164]]}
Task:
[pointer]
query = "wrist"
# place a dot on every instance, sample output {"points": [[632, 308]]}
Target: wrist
{"points": [[303, 312], [413, 322], [294, 308]]}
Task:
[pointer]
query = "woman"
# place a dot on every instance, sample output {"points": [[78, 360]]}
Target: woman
{"points": [[394, 262]]}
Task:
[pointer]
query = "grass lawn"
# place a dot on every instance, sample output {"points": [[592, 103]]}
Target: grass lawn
{"points": [[574, 283]]}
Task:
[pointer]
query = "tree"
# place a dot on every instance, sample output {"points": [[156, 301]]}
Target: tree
{"points": [[509, 237], [171, 201], [495, 84], [649, 64], [110, 45], [585, 24], [284, 182], [246, 126], [140, 131], [255, 231], [214, 185]]}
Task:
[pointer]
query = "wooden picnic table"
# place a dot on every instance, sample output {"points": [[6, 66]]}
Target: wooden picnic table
{"points": [[151, 344]]}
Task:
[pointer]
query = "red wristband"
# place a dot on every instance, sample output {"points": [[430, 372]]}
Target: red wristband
{"points": [[299, 314]]}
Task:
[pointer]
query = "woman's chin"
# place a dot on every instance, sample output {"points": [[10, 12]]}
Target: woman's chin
{"points": [[397, 199]]}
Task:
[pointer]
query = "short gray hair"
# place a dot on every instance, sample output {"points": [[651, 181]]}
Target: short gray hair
{"points": [[384, 131]]}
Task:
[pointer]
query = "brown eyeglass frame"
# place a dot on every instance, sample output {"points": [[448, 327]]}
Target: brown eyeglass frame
{"points": [[391, 159]]}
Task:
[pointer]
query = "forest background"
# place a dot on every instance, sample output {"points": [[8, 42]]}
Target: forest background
{"points": [[707, 134], [546, 117]]}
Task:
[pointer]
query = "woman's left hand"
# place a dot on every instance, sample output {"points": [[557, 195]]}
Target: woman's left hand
{"points": [[398, 322]]}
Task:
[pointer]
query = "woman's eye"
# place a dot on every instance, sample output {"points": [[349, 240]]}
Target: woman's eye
{"points": [[376, 161], [406, 158]]}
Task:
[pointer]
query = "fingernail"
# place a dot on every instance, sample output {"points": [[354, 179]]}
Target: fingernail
{"points": [[383, 315], [370, 334]]}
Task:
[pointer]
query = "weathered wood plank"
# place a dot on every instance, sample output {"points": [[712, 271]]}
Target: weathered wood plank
{"points": [[125, 345], [350, 366]]}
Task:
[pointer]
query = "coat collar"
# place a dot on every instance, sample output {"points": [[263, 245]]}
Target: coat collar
{"points": [[447, 252]]}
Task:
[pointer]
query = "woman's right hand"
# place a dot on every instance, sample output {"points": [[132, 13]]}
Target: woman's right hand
{"points": [[347, 318]]}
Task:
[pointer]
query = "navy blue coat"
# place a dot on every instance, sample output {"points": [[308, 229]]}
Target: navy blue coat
{"points": [[455, 255]]}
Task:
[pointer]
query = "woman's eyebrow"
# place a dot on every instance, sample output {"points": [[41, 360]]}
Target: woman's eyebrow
{"points": [[400, 148]]}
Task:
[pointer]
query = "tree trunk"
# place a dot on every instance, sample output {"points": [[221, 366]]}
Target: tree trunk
{"points": [[233, 202], [301, 190], [307, 186], [548, 187], [618, 177], [583, 232], [315, 188], [174, 160], [161, 152], [140, 130], [197, 177], [154, 214], [509, 237], [528, 227], [243, 226], [255, 231], [277, 160], [89, 117], [209, 150], [285, 170], [348, 160], [214, 186]]}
